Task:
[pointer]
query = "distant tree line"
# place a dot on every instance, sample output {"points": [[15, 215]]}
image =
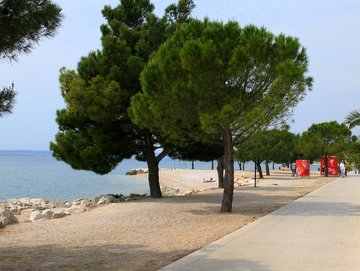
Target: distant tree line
{"points": [[281, 146]]}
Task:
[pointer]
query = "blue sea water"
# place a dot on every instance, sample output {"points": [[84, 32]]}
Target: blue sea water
{"points": [[36, 174]]}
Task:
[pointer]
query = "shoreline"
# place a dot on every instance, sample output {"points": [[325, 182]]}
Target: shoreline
{"points": [[188, 181], [146, 234], [173, 182]]}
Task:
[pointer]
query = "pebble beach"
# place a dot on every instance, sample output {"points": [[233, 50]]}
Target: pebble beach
{"points": [[147, 234]]}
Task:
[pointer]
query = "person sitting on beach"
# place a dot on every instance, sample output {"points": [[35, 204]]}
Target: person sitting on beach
{"points": [[208, 181]]}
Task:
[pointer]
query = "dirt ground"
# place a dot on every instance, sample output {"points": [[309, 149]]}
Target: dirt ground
{"points": [[150, 233]]}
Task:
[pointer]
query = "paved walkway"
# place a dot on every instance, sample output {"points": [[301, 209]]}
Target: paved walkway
{"points": [[319, 232]]}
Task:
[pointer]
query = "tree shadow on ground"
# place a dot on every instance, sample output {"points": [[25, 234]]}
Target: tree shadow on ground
{"points": [[246, 201], [89, 258]]}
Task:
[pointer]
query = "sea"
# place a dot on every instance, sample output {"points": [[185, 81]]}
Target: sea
{"points": [[37, 174]]}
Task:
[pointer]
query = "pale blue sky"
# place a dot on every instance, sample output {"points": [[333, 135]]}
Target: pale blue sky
{"points": [[329, 30]]}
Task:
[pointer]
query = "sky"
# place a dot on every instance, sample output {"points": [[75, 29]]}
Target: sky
{"points": [[329, 30]]}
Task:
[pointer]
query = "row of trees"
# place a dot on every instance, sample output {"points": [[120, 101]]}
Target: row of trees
{"points": [[180, 85], [172, 86], [322, 139]]}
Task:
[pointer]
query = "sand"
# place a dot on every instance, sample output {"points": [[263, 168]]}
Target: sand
{"points": [[150, 233]]}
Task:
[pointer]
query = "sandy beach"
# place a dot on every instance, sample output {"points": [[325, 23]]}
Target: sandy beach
{"points": [[150, 233]]}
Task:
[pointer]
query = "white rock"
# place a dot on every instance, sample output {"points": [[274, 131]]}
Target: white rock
{"points": [[59, 213], [13, 208], [67, 204], [103, 200], [83, 201], [51, 205], [76, 209], [48, 212], [37, 215], [20, 209], [6, 216], [87, 202], [24, 201], [26, 212], [39, 202]]}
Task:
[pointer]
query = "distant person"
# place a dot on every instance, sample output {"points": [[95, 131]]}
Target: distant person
{"points": [[342, 169], [293, 169], [345, 169]]}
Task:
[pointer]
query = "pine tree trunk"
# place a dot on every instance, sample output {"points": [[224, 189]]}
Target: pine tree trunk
{"points": [[258, 164], [220, 171], [239, 163], [226, 205], [255, 168], [153, 167], [212, 165], [267, 168], [326, 166], [192, 164]]}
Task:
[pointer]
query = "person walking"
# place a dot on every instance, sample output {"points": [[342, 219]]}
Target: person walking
{"points": [[293, 169], [342, 168]]}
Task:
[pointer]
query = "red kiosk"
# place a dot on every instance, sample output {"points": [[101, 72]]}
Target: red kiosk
{"points": [[303, 168], [333, 162]]}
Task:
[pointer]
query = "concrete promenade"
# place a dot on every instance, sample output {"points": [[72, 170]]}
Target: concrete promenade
{"points": [[318, 232]]}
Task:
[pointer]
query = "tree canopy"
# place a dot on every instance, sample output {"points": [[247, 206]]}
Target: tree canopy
{"points": [[7, 98], [214, 78], [95, 131], [352, 154], [23, 23], [324, 139], [269, 145]]}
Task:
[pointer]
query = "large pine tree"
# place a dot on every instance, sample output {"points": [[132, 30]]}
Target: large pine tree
{"points": [[95, 131], [212, 78]]}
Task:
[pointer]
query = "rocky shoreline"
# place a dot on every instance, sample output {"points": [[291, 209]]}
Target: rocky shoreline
{"points": [[14, 211], [20, 210]]}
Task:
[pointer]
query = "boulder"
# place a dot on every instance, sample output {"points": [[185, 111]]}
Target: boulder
{"points": [[134, 196], [83, 201], [13, 208], [24, 202], [39, 202], [76, 209], [104, 199], [7, 217], [48, 212], [59, 213], [26, 214], [37, 215], [67, 204]]}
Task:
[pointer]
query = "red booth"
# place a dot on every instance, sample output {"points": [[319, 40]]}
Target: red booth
{"points": [[302, 168], [333, 168]]}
